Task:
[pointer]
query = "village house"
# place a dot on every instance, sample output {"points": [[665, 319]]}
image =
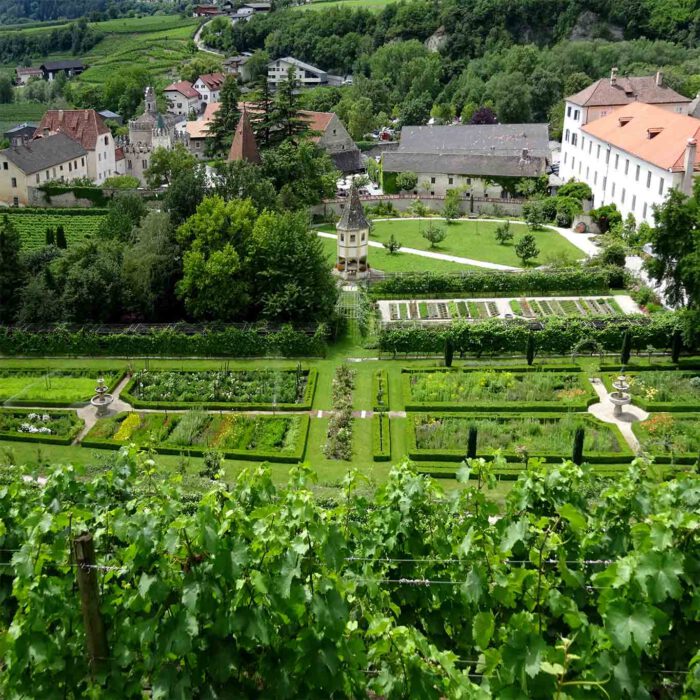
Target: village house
{"points": [[472, 158], [333, 137], [27, 166], [603, 97], [88, 128], [20, 134], [109, 115], [206, 11], [24, 74], [209, 87], [182, 98], [70, 67], [634, 156], [198, 131], [306, 74], [236, 66]]}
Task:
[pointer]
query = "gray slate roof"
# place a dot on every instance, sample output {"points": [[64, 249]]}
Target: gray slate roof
{"points": [[43, 153], [21, 127], [300, 64], [63, 65], [478, 149], [353, 217], [347, 161]]}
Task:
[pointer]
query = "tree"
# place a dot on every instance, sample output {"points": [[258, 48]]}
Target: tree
{"points": [[285, 121], [292, 280], [606, 217], [50, 237], [392, 245], [471, 442], [6, 90], [512, 97], [533, 212], [61, 237], [240, 179], [121, 182], [676, 346], [361, 118], [166, 163], [124, 212], [215, 240], [483, 115], [526, 248], [449, 351], [435, 234], [504, 234], [416, 111], [186, 192], [614, 254], [223, 125], [199, 65], [626, 350], [261, 111], [530, 350], [406, 181], [257, 64], [451, 208], [10, 269], [577, 451], [575, 189]]}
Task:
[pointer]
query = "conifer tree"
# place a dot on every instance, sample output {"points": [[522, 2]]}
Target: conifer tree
{"points": [[261, 112], [285, 121], [10, 269], [61, 237], [50, 237], [223, 125]]}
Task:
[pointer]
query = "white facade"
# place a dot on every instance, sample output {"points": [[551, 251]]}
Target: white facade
{"points": [[208, 95], [101, 162], [307, 75], [181, 104]]}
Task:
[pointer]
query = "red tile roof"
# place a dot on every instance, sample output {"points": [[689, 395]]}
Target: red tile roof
{"points": [[118, 154], [629, 128], [213, 81], [317, 121], [184, 87], [83, 125], [625, 90]]}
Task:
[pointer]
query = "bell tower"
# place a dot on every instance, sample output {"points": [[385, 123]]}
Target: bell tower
{"points": [[353, 239]]}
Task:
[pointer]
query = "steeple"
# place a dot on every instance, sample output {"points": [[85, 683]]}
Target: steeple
{"points": [[353, 217], [150, 100], [353, 239], [244, 146]]}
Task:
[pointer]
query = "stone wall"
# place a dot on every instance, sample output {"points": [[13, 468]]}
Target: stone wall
{"points": [[37, 198]]}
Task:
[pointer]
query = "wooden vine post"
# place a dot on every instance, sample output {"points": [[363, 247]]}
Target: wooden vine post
{"points": [[95, 635]]}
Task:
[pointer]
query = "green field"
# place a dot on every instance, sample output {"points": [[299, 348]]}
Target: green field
{"points": [[32, 226], [353, 4], [473, 239], [19, 112], [49, 386]]}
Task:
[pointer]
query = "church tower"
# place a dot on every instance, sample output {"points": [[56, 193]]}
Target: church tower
{"points": [[353, 239]]}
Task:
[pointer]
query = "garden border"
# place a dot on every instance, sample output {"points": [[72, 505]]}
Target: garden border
{"points": [[41, 437], [381, 449], [653, 406], [684, 458], [384, 376]]}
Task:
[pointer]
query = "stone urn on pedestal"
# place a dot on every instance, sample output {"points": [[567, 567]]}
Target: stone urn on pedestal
{"points": [[621, 396], [101, 400]]}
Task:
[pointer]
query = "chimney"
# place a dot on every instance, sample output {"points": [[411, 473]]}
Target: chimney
{"points": [[659, 78], [689, 166], [613, 75]]}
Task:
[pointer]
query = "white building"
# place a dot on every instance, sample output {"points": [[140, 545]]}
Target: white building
{"points": [[88, 128], [209, 87], [306, 74], [634, 156], [603, 97], [182, 98]]}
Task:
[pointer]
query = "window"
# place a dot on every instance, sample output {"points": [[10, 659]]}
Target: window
{"points": [[583, 140], [106, 140], [595, 177], [15, 201], [99, 157], [54, 172], [648, 178], [469, 181], [144, 164], [60, 167], [607, 156], [128, 164], [590, 146], [605, 182], [82, 161], [574, 139], [627, 165], [579, 167], [576, 113], [363, 237], [661, 185], [352, 238], [37, 177], [617, 160], [634, 202], [573, 163], [70, 167], [342, 238], [5, 166], [612, 191], [588, 170], [566, 136], [432, 180], [622, 196], [568, 111], [14, 182], [565, 157], [597, 155], [644, 211], [450, 180], [636, 174]]}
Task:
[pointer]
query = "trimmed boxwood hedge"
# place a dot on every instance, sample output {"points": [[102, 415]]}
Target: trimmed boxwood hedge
{"points": [[381, 437], [244, 455], [555, 406], [226, 341], [305, 405], [457, 455], [557, 336], [41, 437], [383, 375]]}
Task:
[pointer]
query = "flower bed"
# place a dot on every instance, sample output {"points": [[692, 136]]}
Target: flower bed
{"points": [[53, 427], [339, 437], [381, 438], [502, 390], [380, 390], [663, 391], [235, 435], [53, 388], [444, 437], [670, 438], [284, 390]]}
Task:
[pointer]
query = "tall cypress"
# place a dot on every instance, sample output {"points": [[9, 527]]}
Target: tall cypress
{"points": [[577, 455], [626, 351], [471, 442], [676, 346], [10, 270], [449, 351], [61, 237], [530, 350], [261, 111], [224, 123], [285, 118], [50, 237]]}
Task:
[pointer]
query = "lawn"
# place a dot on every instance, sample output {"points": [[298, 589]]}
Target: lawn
{"points": [[380, 259], [32, 225], [474, 239], [49, 386]]}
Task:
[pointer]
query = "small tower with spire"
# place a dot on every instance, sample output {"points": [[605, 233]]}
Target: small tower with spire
{"points": [[244, 146], [150, 100], [353, 239]]}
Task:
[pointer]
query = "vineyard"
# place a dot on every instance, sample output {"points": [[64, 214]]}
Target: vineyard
{"points": [[573, 588], [32, 225]]}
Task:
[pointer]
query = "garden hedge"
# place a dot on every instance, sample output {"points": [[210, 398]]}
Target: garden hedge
{"points": [[41, 437], [557, 336], [380, 376], [381, 437], [243, 455], [576, 280], [676, 406], [555, 405], [305, 405], [458, 454], [228, 341]]}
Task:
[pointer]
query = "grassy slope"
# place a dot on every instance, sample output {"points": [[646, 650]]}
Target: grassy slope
{"points": [[365, 4]]}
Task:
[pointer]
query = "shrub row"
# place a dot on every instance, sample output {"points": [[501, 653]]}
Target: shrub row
{"points": [[381, 438], [244, 455], [558, 336], [380, 379], [57, 211], [576, 280], [223, 342], [564, 369], [305, 405], [42, 437]]}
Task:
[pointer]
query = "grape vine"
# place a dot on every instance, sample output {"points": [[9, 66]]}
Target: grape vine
{"points": [[572, 588]]}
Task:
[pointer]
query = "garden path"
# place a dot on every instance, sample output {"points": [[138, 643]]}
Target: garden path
{"points": [[436, 256], [89, 413], [603, 411]]}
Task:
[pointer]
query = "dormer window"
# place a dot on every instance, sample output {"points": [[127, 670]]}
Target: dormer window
{"points": [[653, 132], [624, 120]]}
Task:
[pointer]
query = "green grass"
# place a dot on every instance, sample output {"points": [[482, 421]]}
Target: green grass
{"points": [[380, 259], [47, 386], [19, 112], [475, 240], [353, 4], [32, 226]]}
